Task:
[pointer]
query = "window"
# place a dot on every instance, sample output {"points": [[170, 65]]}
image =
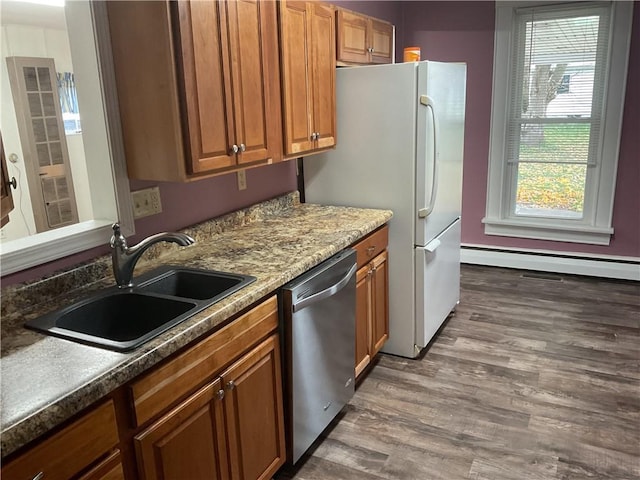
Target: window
{"points": [[552, 162]]}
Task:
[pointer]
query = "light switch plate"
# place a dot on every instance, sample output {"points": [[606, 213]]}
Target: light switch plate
{"points": [[146, 202]]}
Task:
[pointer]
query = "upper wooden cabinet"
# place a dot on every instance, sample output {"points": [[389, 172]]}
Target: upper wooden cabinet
{"points": [[307, 46], [198, 86], [6, 199], [362, 39]]}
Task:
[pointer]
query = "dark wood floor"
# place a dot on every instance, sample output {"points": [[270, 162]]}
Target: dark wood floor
{"points": [[532, 378]]}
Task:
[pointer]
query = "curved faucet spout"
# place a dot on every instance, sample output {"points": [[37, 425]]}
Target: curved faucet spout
{"points": [[124, 258]]}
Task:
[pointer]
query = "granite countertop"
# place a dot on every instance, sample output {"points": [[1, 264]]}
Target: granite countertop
{"points": [[46, 380]]}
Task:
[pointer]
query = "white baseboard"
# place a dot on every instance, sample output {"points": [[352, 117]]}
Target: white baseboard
{"points": [[624, 268]]}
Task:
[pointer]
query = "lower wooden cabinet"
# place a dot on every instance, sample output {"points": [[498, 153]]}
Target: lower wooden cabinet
{"points": [[253, 413], [232, 428], [79, 447], [188, 442], [108, 469], [372, 298]]}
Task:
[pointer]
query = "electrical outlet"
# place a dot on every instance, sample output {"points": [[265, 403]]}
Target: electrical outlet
{"points": [[146, 202], [242, 179]]}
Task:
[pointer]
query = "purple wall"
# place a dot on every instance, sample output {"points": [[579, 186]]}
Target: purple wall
{"points": [[444, 33], [186, 204]]}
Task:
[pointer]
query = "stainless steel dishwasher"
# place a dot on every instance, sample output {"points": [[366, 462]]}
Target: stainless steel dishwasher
{"points": [[318, 322]]}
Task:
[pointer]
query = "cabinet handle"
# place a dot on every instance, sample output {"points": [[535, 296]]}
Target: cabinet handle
{"points": [[370, 250], [231, 385], [39, 476], [220, 394], [242, 147], [234, 148]]}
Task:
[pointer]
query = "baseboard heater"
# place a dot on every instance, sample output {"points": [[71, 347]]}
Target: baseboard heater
{"points": [[623, 268]]}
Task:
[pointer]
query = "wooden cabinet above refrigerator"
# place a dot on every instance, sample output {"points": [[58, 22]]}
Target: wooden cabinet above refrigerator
{"points": [[362, 39]]}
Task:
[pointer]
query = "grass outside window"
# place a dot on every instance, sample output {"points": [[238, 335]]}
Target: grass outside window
{"points": [[549, 179]]}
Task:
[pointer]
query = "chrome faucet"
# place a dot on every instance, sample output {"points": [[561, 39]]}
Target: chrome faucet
{"points": [[124, 258]]}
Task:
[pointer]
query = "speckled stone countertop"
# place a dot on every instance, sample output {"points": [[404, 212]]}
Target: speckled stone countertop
{"points": [[46, 380]]}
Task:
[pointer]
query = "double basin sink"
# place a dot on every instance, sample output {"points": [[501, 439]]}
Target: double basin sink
{"points": [[122, 319]]}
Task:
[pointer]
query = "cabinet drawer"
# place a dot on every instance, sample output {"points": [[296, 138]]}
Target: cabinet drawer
{"points": [[371, 245], [161, 388], [71, 450]]}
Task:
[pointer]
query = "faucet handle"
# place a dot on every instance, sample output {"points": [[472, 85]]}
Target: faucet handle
{"points": [[117, 239]]}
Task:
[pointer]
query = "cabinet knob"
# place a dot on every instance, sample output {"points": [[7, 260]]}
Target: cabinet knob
{"points": [[234, 148], [231, 385], [220, 394], [370, 49], [370, 250], [13, 183], [242, 147], [314, 136]]}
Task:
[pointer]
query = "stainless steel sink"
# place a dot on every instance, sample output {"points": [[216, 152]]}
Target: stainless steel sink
{"points": [[123, 319]]}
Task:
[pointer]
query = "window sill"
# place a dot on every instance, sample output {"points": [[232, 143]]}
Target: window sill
{"points": [[28, 252], [556, 233]]}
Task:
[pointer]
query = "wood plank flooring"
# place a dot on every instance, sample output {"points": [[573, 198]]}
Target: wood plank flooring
{"points": [[532, 378]]}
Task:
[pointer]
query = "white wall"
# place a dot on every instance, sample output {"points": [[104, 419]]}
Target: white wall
{"points": [[31, 41]]}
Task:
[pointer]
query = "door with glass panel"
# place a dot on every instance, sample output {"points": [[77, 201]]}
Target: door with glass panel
{"points": [[42, 135]]}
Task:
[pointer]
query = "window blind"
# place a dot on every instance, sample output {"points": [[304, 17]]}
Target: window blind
{"points": [[558, 82]]}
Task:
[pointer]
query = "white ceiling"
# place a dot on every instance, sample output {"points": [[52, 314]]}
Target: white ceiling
{"points": [[26, 13]]}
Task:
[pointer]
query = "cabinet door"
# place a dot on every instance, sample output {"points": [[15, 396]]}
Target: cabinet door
{"points": [[6, 198], [363, 318], [323, 67], [71, 450], [352, 38], [206, 81], [380, 296], [188, 442], [296, 77], [253, 411], [381, 42], [253, 42], [109, 469]]}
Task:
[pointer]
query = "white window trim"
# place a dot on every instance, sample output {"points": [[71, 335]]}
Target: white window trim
{"points": [[597, 227]]}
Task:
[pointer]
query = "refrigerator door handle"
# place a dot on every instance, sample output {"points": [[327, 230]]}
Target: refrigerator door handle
{"points": [[424, 212], [432, 246]]}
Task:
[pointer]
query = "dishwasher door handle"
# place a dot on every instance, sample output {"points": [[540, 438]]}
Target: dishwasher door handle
{"points": [[327, 292]]}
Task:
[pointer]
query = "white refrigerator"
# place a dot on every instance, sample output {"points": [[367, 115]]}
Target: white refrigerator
{"points": [[399, 147]]}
